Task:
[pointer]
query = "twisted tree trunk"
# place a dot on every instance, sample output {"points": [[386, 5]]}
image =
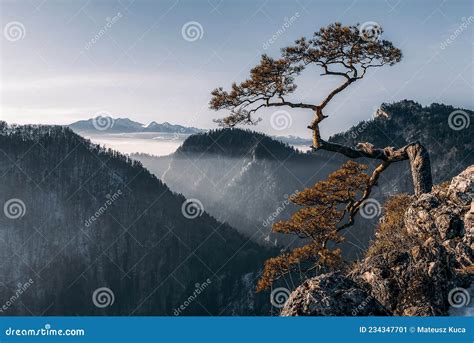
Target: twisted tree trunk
{"points": [[416, 153], [420, 168]]}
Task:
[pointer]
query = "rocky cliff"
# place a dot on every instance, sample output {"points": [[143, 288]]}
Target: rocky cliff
{"points": [[420, 262]]}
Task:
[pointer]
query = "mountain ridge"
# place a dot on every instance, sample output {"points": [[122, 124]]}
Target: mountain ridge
{"points": [[144, 244], [125, 125], [225, 167], [434, 126], [105, 125]]}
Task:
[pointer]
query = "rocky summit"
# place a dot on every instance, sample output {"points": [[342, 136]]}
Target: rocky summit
{"points": [[421, 257]]}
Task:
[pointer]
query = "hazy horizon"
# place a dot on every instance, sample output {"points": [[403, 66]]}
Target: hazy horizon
{"points": [[145, 67]]}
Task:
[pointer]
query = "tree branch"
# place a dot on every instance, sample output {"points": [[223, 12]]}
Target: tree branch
{"points": [[414, 152], [336, 91], [354, 209], [292, 105]]}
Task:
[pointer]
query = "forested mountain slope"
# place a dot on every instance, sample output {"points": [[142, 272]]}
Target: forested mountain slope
{"points": [[244, 177], [78, 218]]}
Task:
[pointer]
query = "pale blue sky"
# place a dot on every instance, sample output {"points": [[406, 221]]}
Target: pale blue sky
{"points": [[143, 68]]}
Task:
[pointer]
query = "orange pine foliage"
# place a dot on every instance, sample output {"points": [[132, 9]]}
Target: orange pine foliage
{"points": [[324, 208]]}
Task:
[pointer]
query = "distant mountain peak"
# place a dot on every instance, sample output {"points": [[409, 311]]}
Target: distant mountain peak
{"points": [[107, 124], [152, 124]]}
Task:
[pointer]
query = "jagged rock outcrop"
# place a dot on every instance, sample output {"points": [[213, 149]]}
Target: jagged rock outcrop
{"points": [[432, 255], [332, 294]]}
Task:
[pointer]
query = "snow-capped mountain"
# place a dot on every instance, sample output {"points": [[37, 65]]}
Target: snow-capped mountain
{"points": [[170, 128], [125, 125]]}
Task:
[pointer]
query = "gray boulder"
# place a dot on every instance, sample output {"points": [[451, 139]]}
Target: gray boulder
{"points": [[331, 294]]}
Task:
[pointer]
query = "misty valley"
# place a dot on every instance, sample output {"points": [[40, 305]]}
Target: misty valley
{"points": [[239, 160], [186, 233]]}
